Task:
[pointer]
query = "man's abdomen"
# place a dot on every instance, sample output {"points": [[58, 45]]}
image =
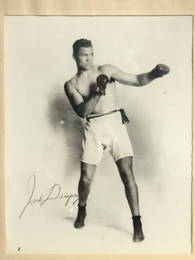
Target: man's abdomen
{"points": [[106, 103]]}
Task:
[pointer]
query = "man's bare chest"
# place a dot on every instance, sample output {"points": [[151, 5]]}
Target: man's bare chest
{"points": [[86, 85]]}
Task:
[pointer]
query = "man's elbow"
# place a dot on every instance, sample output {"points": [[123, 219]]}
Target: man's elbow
{"points": [[81, 115], [81, 112]]}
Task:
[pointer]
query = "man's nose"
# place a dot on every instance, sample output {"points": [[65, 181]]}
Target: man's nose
{"points": [[89, 58]]}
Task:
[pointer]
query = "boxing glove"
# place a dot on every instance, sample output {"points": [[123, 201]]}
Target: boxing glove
{"points": [[159, 71], [101, 83]]}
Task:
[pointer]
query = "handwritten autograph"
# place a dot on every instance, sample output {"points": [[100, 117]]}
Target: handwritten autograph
{"points": [[54, 193]]}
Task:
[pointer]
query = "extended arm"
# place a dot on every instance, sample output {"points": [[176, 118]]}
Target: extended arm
{"points": [[136, 80], [82, 107]]}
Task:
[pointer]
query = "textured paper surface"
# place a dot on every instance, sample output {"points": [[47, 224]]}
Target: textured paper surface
{"points": [[42, 9]]}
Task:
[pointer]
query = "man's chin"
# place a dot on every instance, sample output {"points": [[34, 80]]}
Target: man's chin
{"points": [[87, 67]]}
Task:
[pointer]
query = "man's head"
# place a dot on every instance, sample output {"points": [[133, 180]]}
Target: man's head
{"points": [[83, 53]]}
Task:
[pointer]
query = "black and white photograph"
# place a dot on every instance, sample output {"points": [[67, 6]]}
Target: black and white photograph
{"points": [[98, 134]]}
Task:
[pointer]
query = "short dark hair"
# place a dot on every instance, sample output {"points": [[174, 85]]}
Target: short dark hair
{"points": [[81, 43]]}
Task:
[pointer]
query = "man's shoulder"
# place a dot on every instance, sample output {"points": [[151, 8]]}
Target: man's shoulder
{"points": [[107, 69], [69, 84]]}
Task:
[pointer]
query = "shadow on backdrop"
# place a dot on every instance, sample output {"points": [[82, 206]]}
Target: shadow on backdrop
{"points": [[63, 119]]}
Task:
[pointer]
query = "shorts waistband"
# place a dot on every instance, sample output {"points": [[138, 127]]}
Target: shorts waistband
{"points": [[125, 119], [103, 114]]}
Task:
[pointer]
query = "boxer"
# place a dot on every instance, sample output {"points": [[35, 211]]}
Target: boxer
{"points": [[92, 94]]}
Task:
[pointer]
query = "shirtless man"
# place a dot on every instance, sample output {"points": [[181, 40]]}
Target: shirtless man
{"points": [[91, 93]]}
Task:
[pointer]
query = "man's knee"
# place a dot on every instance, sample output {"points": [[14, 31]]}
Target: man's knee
{"points": [[87, 172], [125, 164], [128, 179], [86, 180], [125, 167]]}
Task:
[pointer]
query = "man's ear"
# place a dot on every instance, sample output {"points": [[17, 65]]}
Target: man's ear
{"points": [[73, 56]]}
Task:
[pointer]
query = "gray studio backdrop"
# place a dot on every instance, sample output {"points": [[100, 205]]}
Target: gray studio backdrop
{"points": [[43, 135]]}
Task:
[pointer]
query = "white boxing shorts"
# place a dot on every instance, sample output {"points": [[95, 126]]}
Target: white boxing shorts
{"points": [[105, 133]]}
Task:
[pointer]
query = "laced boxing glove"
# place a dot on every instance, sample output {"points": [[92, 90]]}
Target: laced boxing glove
{"points": [[159, 71], [101, 83]]}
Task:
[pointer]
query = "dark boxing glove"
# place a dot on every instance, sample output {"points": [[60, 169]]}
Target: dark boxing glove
{"points": [[159, 71], [101, 83]]}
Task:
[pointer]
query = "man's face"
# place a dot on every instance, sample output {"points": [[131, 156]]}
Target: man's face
{"points": [[84, 58]]}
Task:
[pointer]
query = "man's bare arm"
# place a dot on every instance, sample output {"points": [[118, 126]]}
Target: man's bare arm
{"points": [[135, 80], [82, 107]]}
